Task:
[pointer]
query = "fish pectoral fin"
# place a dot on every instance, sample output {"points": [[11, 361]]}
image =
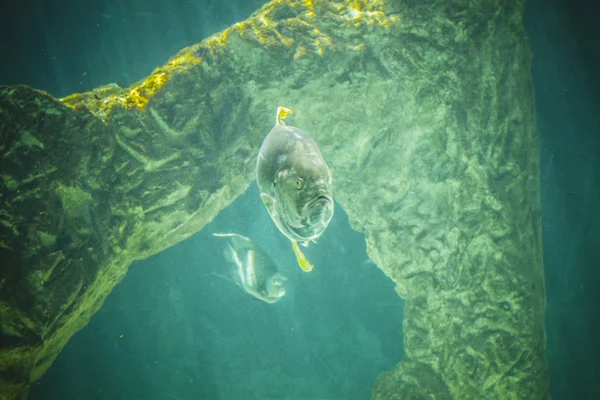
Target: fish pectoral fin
{"points": [[270, 203], [282, 112], [302, 260], [305, 243]]}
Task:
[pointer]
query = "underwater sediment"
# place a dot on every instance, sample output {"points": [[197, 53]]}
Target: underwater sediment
{"points": [[424, 112]]}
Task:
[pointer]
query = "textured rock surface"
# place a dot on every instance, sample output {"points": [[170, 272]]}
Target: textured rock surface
{"points": [[424, 111]]}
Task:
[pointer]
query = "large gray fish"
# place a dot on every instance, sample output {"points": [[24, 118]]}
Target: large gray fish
{"points": [[295, 184], [253, 270]]}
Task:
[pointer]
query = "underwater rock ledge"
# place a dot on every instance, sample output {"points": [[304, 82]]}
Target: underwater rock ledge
{"points": [[424, 111]]}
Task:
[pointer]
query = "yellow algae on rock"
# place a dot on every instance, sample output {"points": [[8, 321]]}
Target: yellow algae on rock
{"points": [[303, 26], [101, 101]]}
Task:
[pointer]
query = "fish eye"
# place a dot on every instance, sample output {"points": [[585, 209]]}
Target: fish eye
{"points": [[299, 183]]}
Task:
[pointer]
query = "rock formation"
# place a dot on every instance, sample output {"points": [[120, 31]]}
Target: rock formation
{"points": [[424, 111]]}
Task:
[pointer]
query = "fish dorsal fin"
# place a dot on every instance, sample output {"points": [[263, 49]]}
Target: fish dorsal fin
{"points": [[302, 260], [232, 235], [282, 112], [238, 242]]}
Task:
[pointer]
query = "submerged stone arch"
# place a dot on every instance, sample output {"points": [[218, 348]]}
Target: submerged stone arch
{"points": [[424, 111]]}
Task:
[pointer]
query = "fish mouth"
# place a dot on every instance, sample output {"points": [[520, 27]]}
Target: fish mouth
{"points": [[316, 215], [309, 221], [321, 198], [317, 211]]}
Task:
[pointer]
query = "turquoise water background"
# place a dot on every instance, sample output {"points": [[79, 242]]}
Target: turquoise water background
{"points": [[179, 323], [187, 334]]}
